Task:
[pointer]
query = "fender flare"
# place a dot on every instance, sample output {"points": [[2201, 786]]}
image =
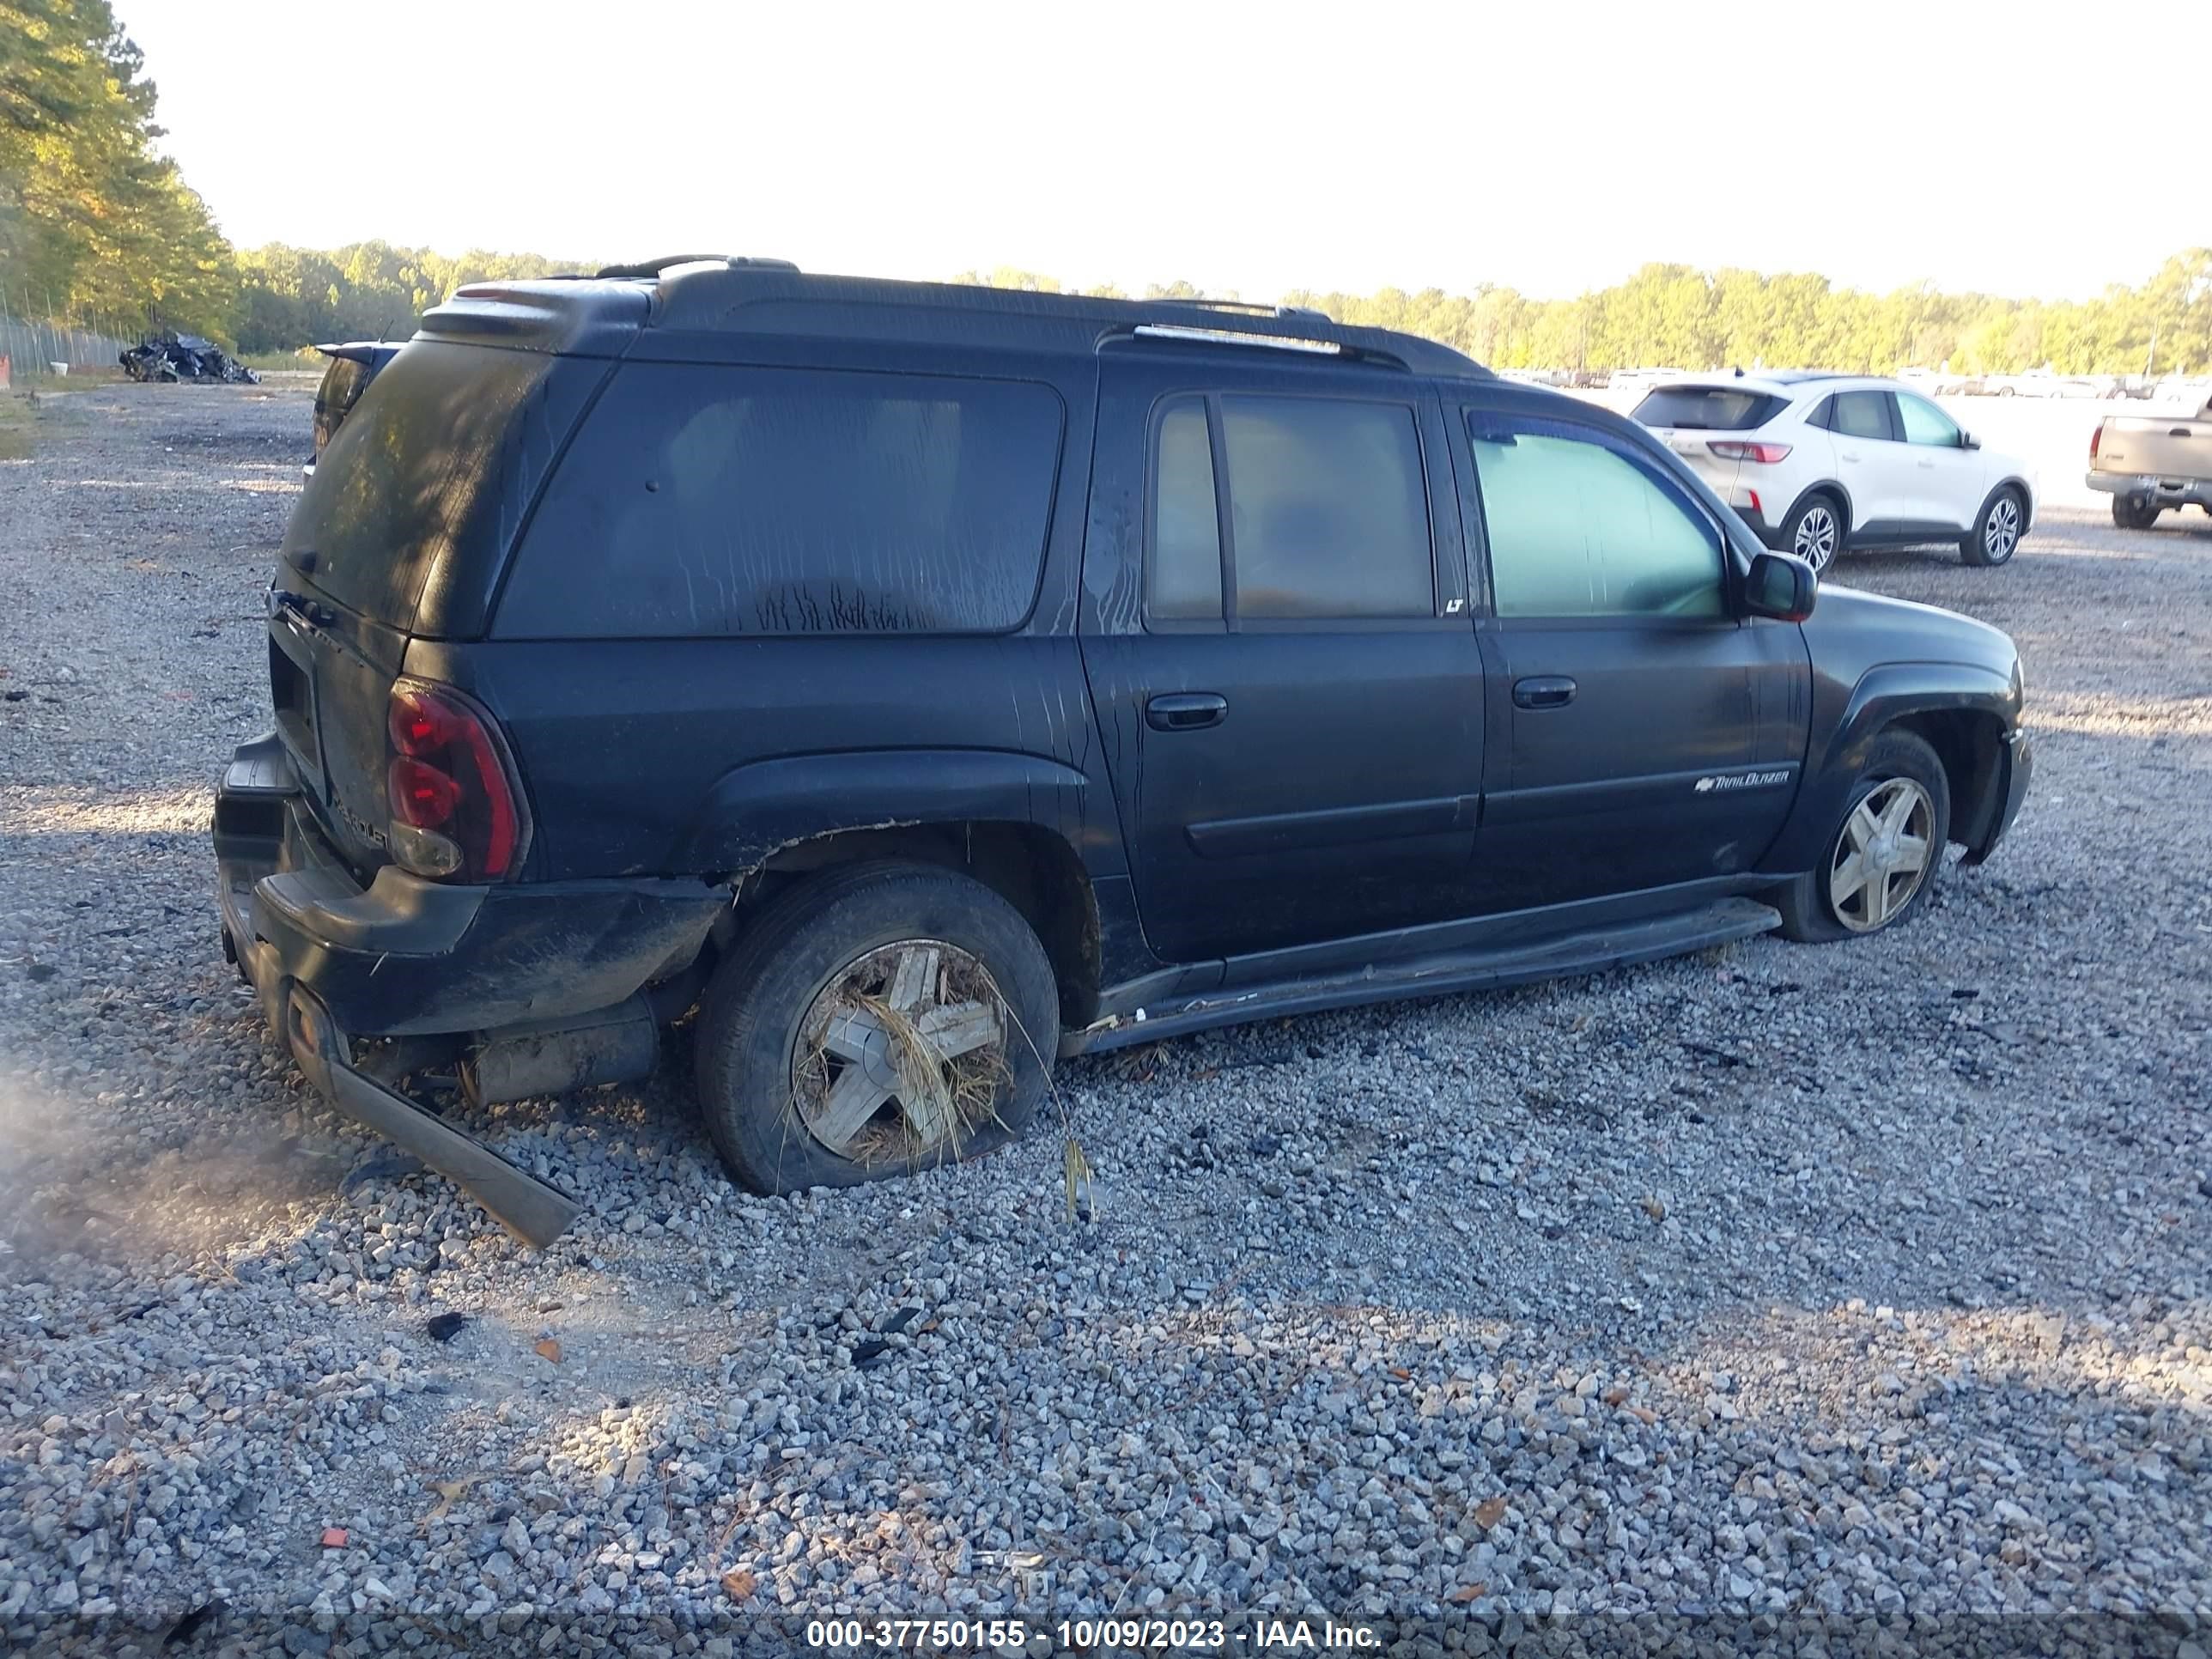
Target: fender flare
{"points": [[754, 811], [2027, 497], [1886, 693], [1825, 487]]}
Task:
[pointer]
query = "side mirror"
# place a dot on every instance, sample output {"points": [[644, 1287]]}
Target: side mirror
{"points": [[1968, 441], [1780, 586]]}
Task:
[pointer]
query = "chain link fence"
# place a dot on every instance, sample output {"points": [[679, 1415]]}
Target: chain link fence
{"points": [[38, 342]]}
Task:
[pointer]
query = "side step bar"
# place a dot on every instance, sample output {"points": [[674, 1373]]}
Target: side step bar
{"points": [[1473, 968]]}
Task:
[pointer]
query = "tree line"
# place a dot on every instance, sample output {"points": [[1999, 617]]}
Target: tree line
{"points": [[1673, 316], [96, 222]]}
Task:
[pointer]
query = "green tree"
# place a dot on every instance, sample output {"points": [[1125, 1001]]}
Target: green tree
{"points": [[93, 218]]}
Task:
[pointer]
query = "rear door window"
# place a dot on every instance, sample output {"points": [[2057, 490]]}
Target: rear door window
{"points": [[1328, 519], [700, 499], [1860, 414], [1709, 409]]}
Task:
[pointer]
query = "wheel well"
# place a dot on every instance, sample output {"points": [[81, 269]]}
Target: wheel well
{"points": [[1969, 742], [1836, 495], [1031, 868]]}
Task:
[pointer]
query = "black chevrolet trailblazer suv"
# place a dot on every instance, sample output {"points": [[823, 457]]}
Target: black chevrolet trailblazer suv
{"points": [[925, 682]]}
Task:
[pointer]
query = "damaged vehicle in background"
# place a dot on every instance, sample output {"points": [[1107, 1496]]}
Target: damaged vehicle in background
{"points": [[928, 682], [172, 356]]}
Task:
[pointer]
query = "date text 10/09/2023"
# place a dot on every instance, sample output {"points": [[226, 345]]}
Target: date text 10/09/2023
{"points": [[1017, 1635]]}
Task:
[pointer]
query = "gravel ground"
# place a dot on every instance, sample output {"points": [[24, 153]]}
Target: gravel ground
{"points": [[1823, 1282]]}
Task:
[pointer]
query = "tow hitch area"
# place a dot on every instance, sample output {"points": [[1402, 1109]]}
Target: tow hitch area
{"points": [[534, 1211]]}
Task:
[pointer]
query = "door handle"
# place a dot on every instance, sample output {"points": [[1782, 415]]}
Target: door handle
{"points": [[1544, 691], [1927, 464], [2179, 432], [1848, 454], [1186, 711]]}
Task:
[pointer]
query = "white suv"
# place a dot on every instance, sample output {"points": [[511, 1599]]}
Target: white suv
{"points": [[1815, 463]]}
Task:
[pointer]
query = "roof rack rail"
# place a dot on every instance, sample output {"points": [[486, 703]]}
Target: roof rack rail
{"points": [[654, 267], [1249, 307], [1318, 345]]}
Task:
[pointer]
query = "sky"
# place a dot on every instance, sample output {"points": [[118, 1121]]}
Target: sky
{"points": [[1552, 147]]}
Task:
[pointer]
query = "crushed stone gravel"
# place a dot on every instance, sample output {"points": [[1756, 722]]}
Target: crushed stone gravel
{"points": [[1812, 1283]]}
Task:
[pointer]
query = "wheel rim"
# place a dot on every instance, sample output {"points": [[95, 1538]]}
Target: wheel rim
{"points": [[1815, 541], [2001, 533], [901, 1054], [1882, 856]]}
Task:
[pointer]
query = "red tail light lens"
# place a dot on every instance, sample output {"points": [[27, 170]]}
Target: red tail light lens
{"points": [[1764, 455], [456, 807], [2096, 438]]}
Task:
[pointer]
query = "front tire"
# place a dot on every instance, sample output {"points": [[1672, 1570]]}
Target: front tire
{"points": [[2131, 513], [1995, 535], [879, 1018], [1881, 861], [1815, 532]]}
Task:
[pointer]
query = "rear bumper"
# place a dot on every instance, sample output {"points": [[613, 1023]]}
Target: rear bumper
{"points": [[1770, 535], [331, 960], [405, 957], [2163, 492]]}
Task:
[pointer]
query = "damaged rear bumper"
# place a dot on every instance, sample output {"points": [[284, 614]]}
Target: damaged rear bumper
{"points": [[333, 960]]}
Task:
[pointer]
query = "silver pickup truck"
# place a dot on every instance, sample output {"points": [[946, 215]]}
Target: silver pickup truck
{"points": [[2148, 463]]}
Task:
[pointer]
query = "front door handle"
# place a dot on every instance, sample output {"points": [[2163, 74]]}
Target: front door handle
{"points": [[1927, 464], [1186, 711], [1544, 691]]}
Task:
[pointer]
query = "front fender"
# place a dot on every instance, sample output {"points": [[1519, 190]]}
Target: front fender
{"points": [[753, 811], [1884, 694]]}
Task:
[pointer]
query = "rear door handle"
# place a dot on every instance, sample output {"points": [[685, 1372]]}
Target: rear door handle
{"points": [[1848, 454], [1186, 711], [1544, 691], [1927, 462]]}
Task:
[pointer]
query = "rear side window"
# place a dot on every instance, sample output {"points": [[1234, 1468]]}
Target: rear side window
{"points": [[430, 466], [1183, 581], [700, 499], [1709, 409]]}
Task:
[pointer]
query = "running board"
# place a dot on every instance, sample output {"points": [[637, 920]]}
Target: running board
{"points": [[1468, 968]]}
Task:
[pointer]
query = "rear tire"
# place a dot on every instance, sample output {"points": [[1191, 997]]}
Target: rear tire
{"points": [[1825, 904], [1995, 535], [2131, 513], [841, 945], [1814, 531]]}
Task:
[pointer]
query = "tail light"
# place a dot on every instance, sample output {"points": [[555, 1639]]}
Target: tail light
{"points": [[1764, 454], [2096, 438], [456, 809]]}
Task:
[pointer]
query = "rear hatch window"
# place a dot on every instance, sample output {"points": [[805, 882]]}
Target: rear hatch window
{"points": [[1709, 409], [426, 469]]}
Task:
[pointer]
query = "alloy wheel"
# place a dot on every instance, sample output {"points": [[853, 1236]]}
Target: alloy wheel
{"points": [[901, 1054], [1883, 856], [1818, 533], [2001, 533]]}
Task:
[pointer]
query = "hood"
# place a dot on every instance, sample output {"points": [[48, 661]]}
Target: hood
{"points": [[1849, 625]]}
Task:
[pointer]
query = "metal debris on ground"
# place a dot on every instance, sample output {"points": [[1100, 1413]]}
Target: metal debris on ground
{"points": [[173, 357]]}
